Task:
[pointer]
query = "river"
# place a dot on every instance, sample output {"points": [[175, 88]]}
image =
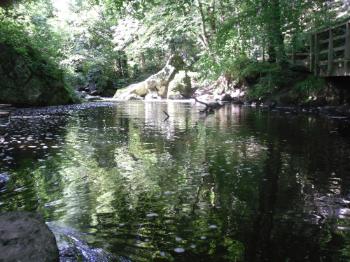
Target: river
{"points": [[242, 184]]}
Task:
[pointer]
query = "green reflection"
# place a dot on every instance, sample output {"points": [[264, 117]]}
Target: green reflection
{"points": [[226, 187]]}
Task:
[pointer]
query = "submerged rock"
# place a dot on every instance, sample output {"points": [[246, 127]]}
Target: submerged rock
{"points": [[179, 250], [4, 178], [24, 236]]}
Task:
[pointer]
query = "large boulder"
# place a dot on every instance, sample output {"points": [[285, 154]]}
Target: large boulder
{"points": [[180, 87], [154, 86], [132, 91], [24, 236], [29, 80]]}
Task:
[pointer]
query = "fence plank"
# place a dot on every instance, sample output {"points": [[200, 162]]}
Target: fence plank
{"points": [[311, 53], [317, 55]]}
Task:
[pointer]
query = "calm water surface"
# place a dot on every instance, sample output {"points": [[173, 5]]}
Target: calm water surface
{"points": [[237, 185]]}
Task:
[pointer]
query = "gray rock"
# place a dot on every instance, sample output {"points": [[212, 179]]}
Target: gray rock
{"points": [[223, 97], [4, 178], [180, 86], [152, 96], [157, 83], [92, 98], [24, 236]]}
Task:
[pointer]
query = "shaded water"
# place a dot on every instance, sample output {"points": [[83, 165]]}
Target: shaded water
{"points": [[238, 185]]}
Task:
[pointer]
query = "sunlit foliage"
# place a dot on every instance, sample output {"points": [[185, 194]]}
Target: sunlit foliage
{"points": [[104, 44]]}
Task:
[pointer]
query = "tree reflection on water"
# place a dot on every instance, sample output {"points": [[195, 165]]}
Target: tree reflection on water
{"points": [[238, 185]]}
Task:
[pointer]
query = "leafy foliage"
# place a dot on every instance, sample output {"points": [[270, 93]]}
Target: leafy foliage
{"points": [[105, 44], [310, 86]]}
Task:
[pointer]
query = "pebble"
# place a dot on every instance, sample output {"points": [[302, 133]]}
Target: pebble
{"points": [[179, 250], [152, 215], [178, 239], [4, 178]]}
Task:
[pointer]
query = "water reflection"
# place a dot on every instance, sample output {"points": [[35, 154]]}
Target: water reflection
{"points": [[238, 185]]}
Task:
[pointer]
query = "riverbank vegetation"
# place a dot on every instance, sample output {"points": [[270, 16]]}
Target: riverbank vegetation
{"points": [[100, 46]]}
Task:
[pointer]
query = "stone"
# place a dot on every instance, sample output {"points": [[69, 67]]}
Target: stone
{"points": [[206, 98], [152, 96], [4, 178], [180, 86], [134, 97], [24, 236], [91, 98], [225, 97], [4, 118], [174, 96], [156, 83], [163, 91]]}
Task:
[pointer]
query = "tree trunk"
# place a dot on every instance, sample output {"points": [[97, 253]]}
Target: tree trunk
{"points": [[204, 36], [276, 49], [212, 17]]}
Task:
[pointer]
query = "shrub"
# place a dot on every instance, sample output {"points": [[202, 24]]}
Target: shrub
{"points": [[309, 87]]}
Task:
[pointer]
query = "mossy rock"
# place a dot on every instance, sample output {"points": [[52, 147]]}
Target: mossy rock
{"points": [[180, 87], [29, 80], [157, 83]]}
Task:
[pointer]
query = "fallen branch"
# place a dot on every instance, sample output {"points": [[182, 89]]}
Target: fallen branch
{"points": [[209, 107], [167, 115]]}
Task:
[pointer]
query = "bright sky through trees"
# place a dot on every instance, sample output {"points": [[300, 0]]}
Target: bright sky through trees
{"points": [[62, 7]]}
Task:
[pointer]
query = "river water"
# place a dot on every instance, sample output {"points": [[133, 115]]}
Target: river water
{"points": [[238, 185]]}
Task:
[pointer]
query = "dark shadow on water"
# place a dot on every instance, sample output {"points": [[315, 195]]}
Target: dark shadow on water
{"points": [[237, 185]]}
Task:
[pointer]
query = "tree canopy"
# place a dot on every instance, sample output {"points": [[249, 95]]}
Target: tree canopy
{"points": [[108, 43]]}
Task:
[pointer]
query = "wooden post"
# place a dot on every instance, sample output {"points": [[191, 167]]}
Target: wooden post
{"points": [[330, 53], [347, 49], [317, 55]]}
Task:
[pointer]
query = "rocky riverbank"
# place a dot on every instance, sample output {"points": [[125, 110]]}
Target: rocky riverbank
{"points": [[174, 81], [296, 89]]}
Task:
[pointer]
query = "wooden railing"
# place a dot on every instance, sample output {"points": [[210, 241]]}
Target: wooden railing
{"points": [[330, 51]]}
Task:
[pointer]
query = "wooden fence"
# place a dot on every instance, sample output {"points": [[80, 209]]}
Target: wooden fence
{"points": [[330, 51]]}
